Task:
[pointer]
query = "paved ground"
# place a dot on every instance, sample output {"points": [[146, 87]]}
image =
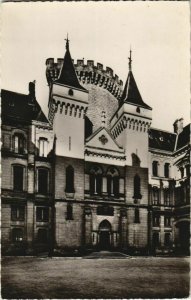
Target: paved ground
{"points": [[65, 278]]}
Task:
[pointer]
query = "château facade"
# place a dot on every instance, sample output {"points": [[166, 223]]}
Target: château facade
{"points": [[95, 174]]}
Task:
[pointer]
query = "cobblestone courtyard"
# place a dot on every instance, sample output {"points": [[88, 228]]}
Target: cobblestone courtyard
{"points": [[64, 278]]}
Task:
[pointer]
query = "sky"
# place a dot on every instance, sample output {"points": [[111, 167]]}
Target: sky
{"points": [[158, 33]]}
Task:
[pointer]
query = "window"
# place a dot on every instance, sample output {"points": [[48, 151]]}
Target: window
{"points": [[69, 212], [167, 221], [88, 127], [137, 187], [113, 182], [17, 234], [182, 172], [105, 210], [95, 181], [155, 196], [156, 221], [166, 170], [42, 181], [167, 239], [188, 192], [17, 213], [69, 180], [156, 241], [18, 178], [70, 92], [42, 236], [155, 168], [137, 218], [42, 214], [19, 143], [188, 171], [43, 147], [135, 160], [166, 197]]}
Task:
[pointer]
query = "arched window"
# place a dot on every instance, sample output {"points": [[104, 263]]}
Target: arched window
{"points": [[155, 168], [43, 181], [69, 212], [42, 236], [95, 180], [166, 170], [17, 234], [113, 182], [88, 127], [43, 147], [19, 143], [137, 187], [69, 180], [155, 195], [18, 178], [135, 160]]}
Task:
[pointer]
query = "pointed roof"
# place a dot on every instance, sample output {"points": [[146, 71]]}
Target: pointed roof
{"points": [[131, 92], [67, 74]]}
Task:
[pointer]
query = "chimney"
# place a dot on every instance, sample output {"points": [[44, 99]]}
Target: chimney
{"points": [[32, 89], [178, 126]]}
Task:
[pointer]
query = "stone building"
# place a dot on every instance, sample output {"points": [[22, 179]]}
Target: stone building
{"points": [[95, 174]]}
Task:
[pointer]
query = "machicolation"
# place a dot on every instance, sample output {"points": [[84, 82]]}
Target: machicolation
{"points": [[88, 74]]}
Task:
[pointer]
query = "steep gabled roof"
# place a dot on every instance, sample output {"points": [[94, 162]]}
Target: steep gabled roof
{"points": [[131, 93], [67, 74], [183, 137], [162, 140], [20, 107]]}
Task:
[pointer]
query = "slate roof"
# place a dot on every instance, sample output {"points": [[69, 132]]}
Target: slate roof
{"points": [[20, 107], [67, 74], [162, 140], [131, 93], [183, 137]]}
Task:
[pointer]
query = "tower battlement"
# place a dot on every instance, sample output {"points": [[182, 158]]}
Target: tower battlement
{"points": [[88, 73]]}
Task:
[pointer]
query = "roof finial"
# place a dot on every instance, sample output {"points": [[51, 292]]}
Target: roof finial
{"points": [[130, 60], [67, 42]]}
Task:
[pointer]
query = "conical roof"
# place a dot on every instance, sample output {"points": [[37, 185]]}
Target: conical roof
{"points": [[131, 92], [68, 74]]}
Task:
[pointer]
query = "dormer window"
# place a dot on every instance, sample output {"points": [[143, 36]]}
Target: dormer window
{"points": [[70, 92], [138, 109]]}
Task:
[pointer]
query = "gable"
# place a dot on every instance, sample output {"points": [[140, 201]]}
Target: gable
{"points": [[102, 139]]}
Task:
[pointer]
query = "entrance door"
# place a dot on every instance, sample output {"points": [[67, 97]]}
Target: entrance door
{"points": [[104, 235], [104, 240]]}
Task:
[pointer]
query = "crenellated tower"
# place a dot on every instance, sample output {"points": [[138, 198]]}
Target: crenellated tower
{"points": [[67, 107], [130, 123]]}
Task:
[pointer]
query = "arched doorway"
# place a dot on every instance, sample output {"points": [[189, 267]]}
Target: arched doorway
{"points": [[104, 235]]}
